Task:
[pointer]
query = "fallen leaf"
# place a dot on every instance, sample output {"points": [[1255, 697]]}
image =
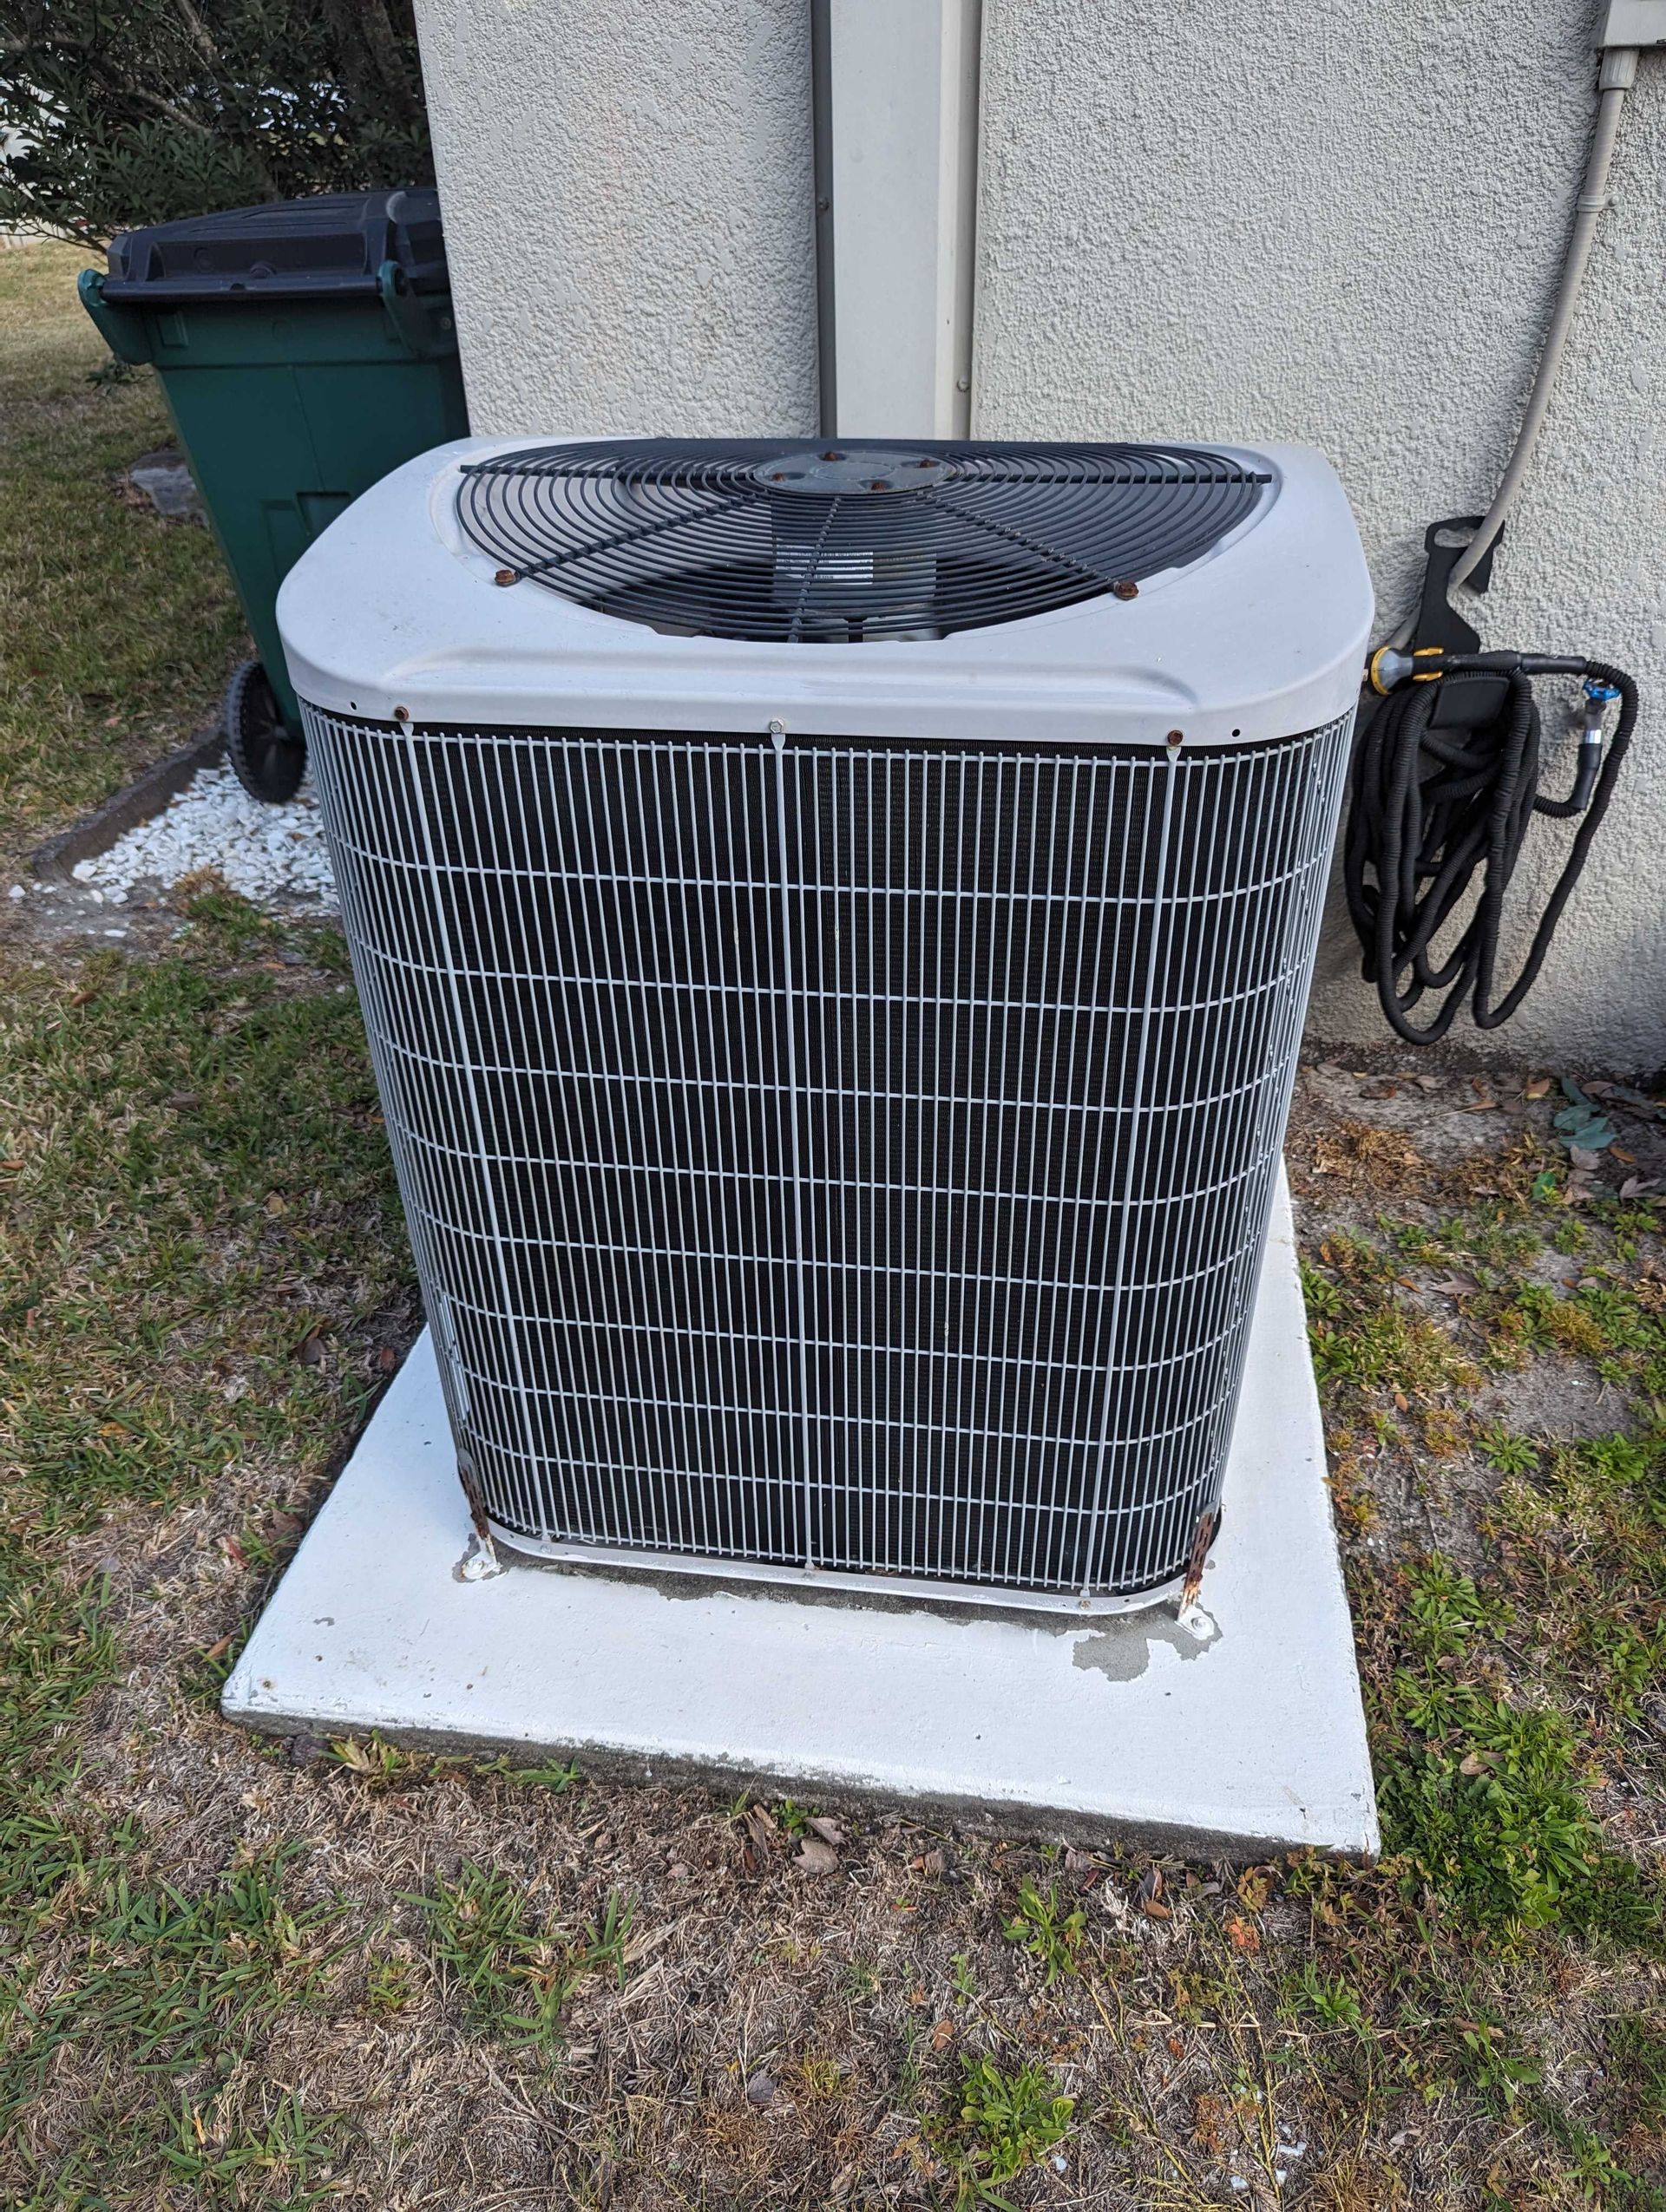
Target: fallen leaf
{"points": [[387, 1360], [1149, 1896], [762, 1828], [219, 1650], [1254, 1887], [942, 2034], [310, 1352], [1244, 1934], [234, 1551], [1475, 1762], [1634, 1186], [1402, 1401], [830, 1831], [1585, 1157], [1454, 1287], [1581, 1122], [1536, 1086], [817, 1857], [760, 2090]]}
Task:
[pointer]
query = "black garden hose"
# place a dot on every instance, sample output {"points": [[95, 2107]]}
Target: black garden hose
{"points": [[1433, 805]]}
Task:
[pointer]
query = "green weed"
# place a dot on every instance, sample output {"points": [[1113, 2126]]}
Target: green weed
{"points": [[1482, 1795], [1042, 1926], [1509, 1455], [1330, 1999], [1000, 2124]]}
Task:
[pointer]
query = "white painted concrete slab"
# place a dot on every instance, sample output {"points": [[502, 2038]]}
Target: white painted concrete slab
{"points": [[1252, 1741]]}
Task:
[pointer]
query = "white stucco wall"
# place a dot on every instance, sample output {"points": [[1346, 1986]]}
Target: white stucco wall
{"points": [[628, 211], [1329, 221]]}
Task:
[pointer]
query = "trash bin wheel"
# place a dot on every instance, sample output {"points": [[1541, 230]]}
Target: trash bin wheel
{"points": [[267, 759]]}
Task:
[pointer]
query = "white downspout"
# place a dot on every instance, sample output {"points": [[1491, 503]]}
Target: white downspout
{"points": [[899, 110]]}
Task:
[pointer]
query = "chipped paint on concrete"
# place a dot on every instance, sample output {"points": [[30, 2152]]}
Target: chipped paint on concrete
{"points": [[1124, 1648]]}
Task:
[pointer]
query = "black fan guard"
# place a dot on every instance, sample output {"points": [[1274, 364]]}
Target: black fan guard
{"points": [[816, 543]]}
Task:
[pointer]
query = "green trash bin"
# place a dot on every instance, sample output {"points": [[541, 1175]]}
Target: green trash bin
{"points": [[305, 348]]}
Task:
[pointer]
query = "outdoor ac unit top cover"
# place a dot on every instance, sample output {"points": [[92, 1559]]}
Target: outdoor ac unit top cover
{"points": [[396, 612]]}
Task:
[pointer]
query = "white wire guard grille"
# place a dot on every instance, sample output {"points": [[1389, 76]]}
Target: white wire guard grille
{"points": [[835, 1153]]}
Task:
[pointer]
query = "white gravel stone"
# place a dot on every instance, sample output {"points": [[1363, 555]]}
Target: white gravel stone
{"points": [[262, 852]]}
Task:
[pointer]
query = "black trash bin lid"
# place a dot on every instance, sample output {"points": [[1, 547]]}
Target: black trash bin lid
{"points": [[330, 248]]}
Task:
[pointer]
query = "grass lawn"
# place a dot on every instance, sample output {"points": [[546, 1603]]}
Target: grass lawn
{"points": [[238, 1973], [117, 630]]}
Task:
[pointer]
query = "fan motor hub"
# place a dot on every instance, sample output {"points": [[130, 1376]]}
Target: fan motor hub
{"points": [[843, 471]]}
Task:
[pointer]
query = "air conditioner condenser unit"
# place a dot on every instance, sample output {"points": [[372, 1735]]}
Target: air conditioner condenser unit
{"points": [[834, 925]]}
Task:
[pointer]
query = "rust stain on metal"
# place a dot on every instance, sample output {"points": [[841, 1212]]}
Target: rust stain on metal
{"points": [[1208, 1527], [475, 1497]]}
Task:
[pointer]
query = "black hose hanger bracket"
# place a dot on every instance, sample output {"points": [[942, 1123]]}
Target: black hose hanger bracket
{"points": [[1444, 783]]}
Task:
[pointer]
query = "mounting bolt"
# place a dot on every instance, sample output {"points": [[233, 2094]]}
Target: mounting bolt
{"points": [[1124, 590], [1176, 739], [506, 576], [778, 731], [401, 714]]}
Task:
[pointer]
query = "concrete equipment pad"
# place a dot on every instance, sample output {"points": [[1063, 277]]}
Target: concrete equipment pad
{"points": [[1239, 1732]]}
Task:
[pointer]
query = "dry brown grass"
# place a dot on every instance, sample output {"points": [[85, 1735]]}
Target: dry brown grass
{"points": [[1353, 1156]]}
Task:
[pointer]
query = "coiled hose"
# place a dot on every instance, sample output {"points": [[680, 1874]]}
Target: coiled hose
{"points": [[1431, 806]]}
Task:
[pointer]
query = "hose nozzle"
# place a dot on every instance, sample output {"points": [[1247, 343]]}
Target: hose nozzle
{"points": [[1599, 696]]}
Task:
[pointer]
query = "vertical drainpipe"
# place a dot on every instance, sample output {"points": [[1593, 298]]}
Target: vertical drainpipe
{"points": [[896, 174], [821, 86]]}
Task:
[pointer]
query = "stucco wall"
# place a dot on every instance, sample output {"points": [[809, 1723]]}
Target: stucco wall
{"points": [[629, 210], [1321, 220]]}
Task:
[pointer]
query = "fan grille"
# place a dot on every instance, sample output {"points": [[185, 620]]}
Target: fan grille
{"points": [[835, 1153], [809, 543]]}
